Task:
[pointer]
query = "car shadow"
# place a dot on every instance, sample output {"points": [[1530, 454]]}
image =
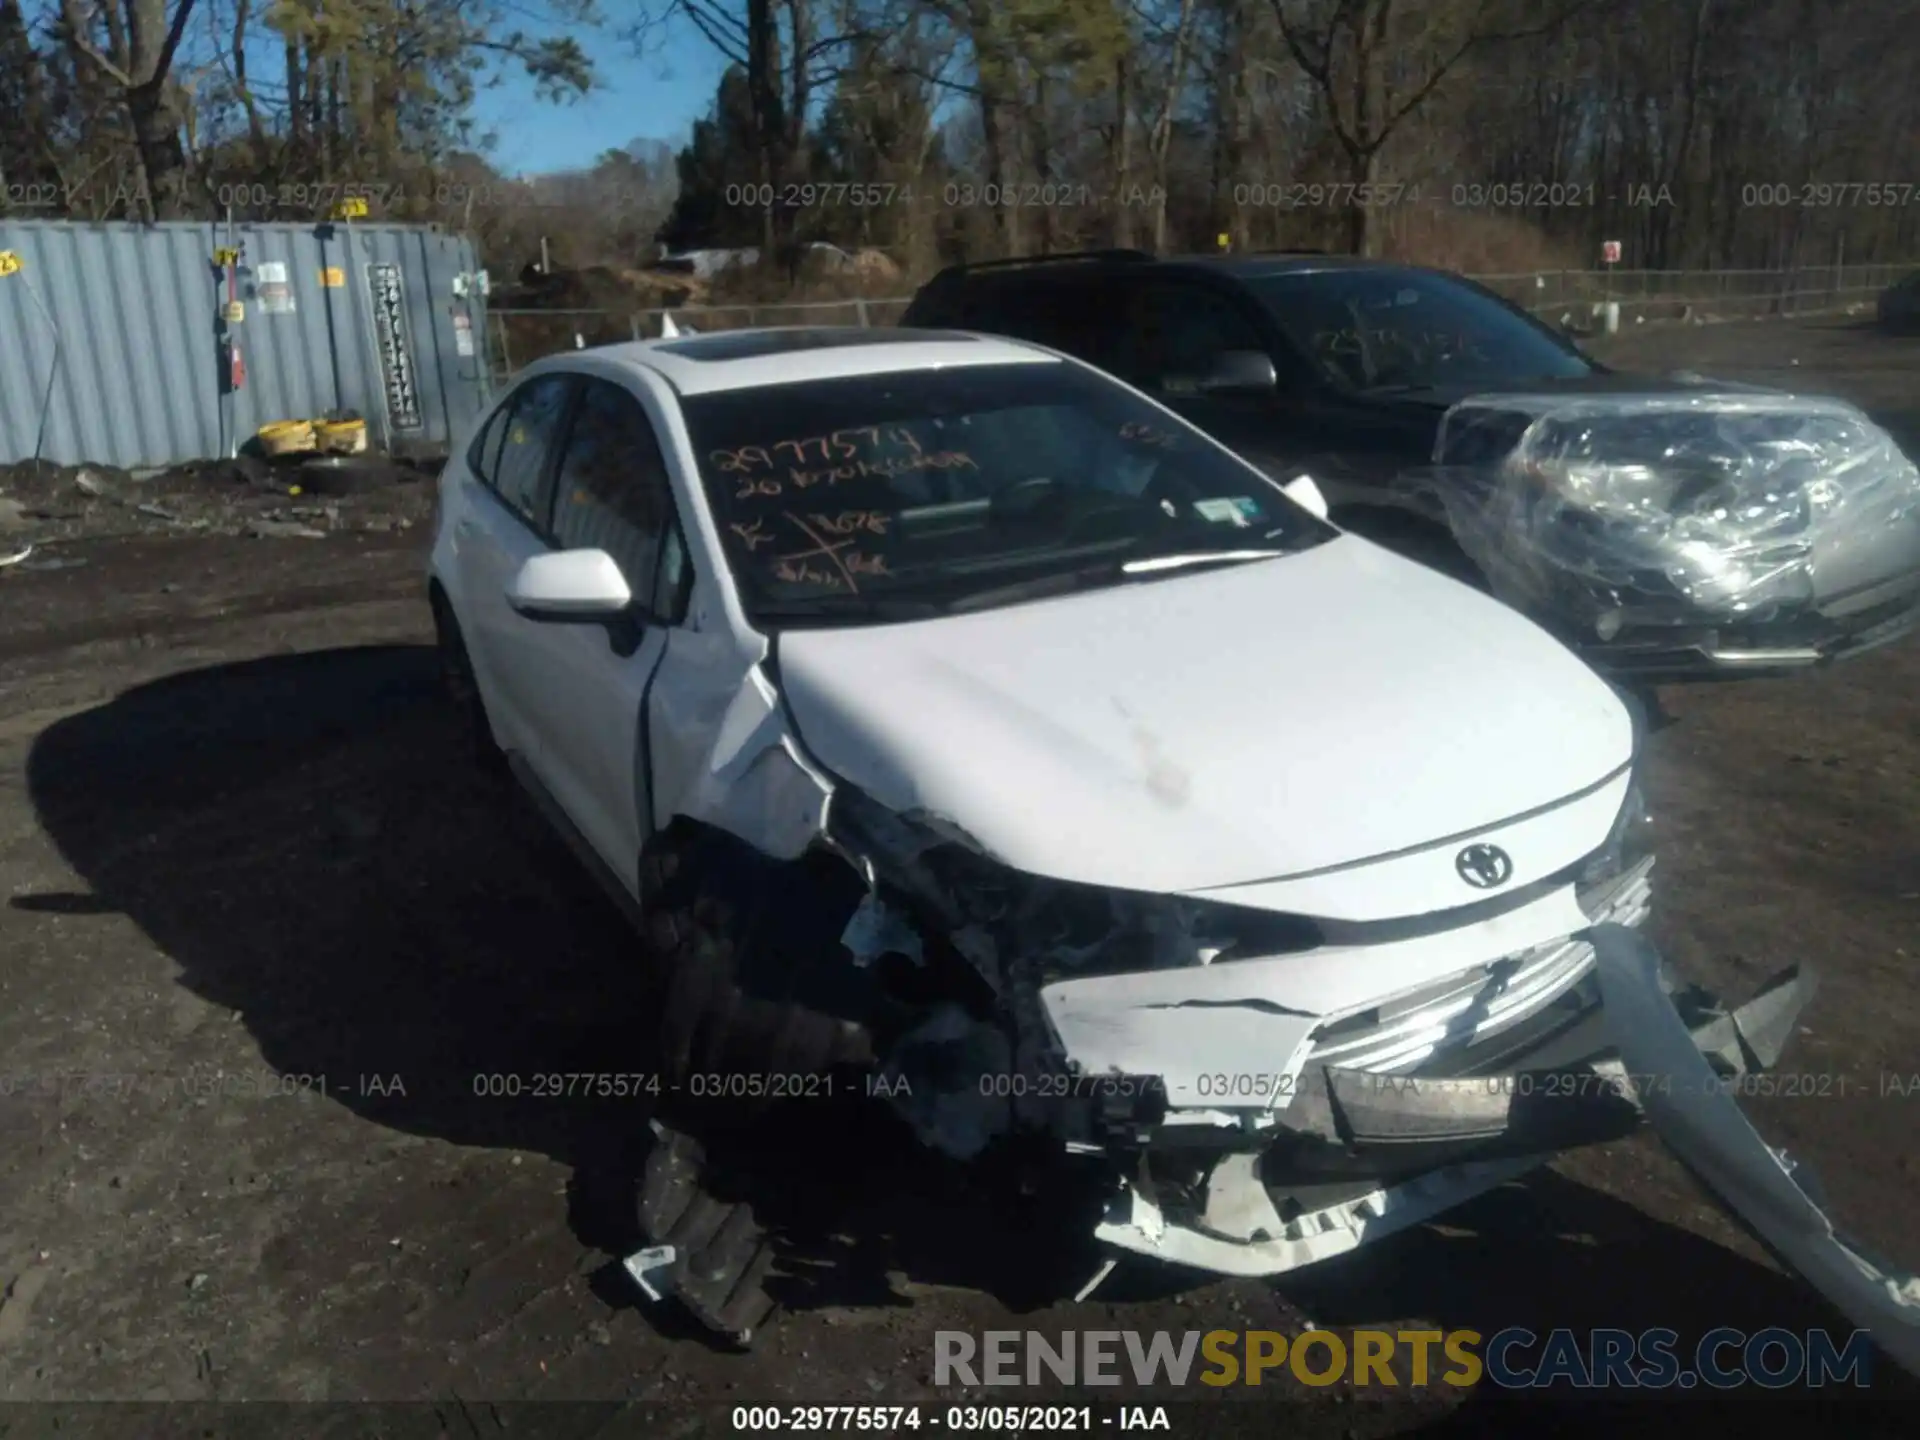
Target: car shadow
{"points": [[305, 837], [1550, 1253]]}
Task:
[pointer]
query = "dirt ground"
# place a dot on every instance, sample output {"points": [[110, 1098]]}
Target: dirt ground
{"points": [[266, 933]]}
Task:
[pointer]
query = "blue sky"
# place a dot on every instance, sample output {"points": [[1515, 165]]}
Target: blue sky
{"points": [[654, 95]]}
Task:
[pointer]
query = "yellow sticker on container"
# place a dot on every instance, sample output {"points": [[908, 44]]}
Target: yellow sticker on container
{"points": [[10, 262], [333, 277]]}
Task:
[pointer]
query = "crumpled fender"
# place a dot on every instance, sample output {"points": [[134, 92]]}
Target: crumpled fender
{"points": [[723, 752], [1695, 1115]]}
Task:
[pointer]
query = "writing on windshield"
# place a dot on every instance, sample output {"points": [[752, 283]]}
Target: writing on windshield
{"points": [[863, 453], [929, 486], [828, 553]]}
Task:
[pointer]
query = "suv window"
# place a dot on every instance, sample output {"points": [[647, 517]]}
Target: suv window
{"points": [[1173, 331], [528, 434], [1072, 315], [612, 492]]}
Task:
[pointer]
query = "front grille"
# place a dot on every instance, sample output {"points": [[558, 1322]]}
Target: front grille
{"points": [[1411, 1029]]}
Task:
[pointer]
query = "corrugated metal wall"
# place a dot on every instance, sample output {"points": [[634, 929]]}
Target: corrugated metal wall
{"points": [[140, 332]]}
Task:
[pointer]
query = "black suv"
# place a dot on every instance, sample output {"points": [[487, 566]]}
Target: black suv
{"points": [[1348, 369]]}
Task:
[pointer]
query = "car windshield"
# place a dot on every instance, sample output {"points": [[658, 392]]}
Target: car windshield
{"points": [[1412, 329], [921, 491]]}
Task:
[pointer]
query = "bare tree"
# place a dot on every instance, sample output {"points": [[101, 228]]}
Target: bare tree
{"points": [[143, 37], [1375, 62]]}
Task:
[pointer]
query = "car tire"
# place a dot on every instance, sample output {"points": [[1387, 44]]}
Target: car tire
{"points": [[729, 1051], [462, 690]]}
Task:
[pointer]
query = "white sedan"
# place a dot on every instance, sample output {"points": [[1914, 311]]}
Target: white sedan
{"points": [[949, 708]]}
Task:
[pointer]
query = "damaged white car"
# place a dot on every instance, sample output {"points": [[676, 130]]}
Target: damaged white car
{"points": [[947, 708]]}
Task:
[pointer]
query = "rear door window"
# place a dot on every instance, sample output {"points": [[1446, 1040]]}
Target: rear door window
{"points": [[1065, 314], [526, 443], [1174, 331]]}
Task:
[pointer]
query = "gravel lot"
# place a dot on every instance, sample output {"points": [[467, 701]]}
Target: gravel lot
{"points": [[236, 837]]}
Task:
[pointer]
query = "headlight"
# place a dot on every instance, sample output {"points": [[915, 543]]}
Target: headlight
{"points": [[1630, 841], [1617, 490]]}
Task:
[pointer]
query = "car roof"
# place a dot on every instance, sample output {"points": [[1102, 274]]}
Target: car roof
{"points": [[1247, 267], [1041, 269], [783, 355]]}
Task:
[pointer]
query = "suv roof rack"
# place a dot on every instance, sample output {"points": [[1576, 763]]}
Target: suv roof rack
{"points": [[1013, 262]]}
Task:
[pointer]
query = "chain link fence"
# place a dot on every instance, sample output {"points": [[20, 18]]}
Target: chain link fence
{"points": [[1583, 299]]}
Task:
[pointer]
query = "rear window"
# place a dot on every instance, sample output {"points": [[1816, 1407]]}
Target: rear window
{"points": [[932, 485]]}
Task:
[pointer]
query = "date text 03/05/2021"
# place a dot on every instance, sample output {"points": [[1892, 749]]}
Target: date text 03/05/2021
{"points": [[957, 1419]]}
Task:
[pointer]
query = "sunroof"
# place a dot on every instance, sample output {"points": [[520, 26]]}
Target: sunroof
{"points": [[752, 344]]}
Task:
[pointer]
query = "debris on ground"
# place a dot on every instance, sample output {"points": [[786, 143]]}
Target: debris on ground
{"points": [[41, 502], [710, 1254], [284, 530]]}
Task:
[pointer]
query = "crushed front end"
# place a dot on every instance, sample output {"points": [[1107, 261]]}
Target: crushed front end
{"points": [[1269, 1090], [1271, 1087]]}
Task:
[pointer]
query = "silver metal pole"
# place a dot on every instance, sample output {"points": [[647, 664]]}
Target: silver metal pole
{"points": [[53, 370], [233, 395]]}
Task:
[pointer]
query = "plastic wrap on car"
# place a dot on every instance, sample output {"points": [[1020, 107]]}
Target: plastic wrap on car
{"points": [[1659, 509]]}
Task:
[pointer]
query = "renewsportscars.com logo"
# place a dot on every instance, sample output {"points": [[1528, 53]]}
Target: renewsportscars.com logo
{"points": [[1514, 1358]]}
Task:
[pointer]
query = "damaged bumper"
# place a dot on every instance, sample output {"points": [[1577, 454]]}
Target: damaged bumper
{"points": [[1414, 1146]]}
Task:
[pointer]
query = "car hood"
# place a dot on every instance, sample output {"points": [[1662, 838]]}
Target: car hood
{"points": [[1623, 383], [1256, 722]]}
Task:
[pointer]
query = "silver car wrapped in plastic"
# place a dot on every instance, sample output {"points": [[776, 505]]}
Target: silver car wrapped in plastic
{"points": [[1747, 529]]}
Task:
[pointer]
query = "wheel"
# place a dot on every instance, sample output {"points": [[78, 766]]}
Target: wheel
{"points": [[462, 690], [736, 938]]}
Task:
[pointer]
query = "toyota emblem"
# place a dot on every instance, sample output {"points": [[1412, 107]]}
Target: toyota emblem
{"points": [[1484, 866]]}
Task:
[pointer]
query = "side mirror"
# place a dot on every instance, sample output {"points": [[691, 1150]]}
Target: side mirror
{"points": [[1304, 493], [1241, 372], [570, 585]]}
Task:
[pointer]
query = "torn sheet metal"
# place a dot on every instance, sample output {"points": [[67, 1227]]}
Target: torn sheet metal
{"points": [[652, 1270], [1671, 509], [1696, 1116], [1269, 1245], [717, 727]]}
